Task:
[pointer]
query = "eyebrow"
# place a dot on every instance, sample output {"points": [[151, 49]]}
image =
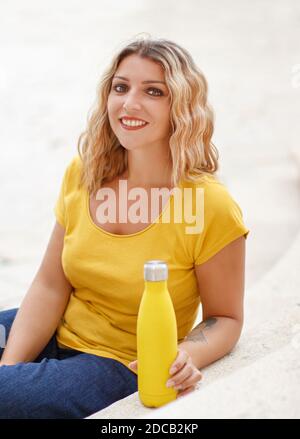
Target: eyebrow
{"points": [[149, 81]]}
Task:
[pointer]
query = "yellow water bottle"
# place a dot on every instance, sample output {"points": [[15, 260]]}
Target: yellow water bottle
{"points": [[156, 337]]}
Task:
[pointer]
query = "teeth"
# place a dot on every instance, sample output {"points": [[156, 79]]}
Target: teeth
{"points": [[133, 123]]}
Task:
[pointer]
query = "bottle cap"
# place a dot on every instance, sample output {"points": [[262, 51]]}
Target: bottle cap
{"points": [[155, 270]]}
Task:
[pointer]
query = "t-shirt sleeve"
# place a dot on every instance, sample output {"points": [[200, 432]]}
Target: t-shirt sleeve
{"points": [[60, 205], [223, 223]]}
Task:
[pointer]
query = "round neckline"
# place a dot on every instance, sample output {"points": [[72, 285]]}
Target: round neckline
{"points": [[115, 235]]}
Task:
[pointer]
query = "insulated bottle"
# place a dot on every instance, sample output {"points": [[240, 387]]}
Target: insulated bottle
{"points": [[156, 337]]}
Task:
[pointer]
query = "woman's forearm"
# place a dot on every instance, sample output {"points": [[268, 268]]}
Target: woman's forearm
{"points": [[211, 340], [34, 324]]}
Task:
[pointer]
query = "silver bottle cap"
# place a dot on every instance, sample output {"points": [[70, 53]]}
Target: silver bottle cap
{"points": [[155, 270]]}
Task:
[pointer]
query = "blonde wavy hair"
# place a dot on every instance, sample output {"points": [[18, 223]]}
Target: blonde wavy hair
{"points": [[192, 151]]}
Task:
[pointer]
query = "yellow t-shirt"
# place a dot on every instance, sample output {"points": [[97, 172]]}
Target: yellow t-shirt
{"points": [[106, 269]]}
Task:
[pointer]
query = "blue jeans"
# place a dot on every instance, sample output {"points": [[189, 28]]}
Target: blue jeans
{"points": [[60, 383]]}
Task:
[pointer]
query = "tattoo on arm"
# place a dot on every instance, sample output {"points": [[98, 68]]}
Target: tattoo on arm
{"points": [[197, 333]]}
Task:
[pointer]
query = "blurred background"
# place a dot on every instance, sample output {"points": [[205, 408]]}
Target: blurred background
{"points": [[52, 55]]}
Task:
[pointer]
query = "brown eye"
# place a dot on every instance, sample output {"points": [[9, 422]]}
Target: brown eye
{"points": [[119, 85], [157, 90]]}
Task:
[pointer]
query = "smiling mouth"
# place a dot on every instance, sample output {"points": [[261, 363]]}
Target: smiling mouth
{"points": [[132, 128]]}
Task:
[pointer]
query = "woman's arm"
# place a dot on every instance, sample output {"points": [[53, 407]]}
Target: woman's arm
{"points": [[41, 308], [211, 340], [221, 287]]}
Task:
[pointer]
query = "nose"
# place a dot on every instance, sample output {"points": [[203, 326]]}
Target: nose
{"points": [[131, 103]]}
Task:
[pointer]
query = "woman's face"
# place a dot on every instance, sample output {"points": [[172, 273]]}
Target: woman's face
{"points": [[149, 102]]}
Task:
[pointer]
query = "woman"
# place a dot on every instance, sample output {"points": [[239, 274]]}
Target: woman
{"points": [[71, 347]]}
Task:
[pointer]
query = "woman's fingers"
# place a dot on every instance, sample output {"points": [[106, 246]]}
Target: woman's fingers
{"points": [[185, 392]]}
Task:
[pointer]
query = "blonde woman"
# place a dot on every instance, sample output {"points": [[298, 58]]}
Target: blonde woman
{"points": [[71, 346]]}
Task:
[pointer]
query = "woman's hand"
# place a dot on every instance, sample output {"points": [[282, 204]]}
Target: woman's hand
{"points": [[184, 374]]}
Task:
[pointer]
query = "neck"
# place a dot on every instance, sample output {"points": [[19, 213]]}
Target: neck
{"points": [[148, 170]]}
